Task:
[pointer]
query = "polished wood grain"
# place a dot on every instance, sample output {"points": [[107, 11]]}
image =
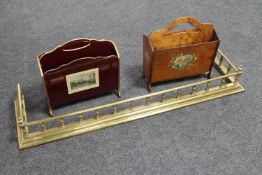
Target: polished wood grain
{"points": [[164, 38]]}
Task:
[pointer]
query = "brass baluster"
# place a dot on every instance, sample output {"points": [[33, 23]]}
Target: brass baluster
{"points": [[24, 129], [43, 126], [236, 79], [194, 88], [148, 101], [220, 60], [97, 114], [222, 82], [131, 105], [62, 123], [80, 118], [114, 109], [163, 97], [24, 133], [208, 86], [178, 93], [240, 68], [229, 69]]}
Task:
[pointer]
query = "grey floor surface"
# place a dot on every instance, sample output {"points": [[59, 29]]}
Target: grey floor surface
{"points": [[223, 136]]}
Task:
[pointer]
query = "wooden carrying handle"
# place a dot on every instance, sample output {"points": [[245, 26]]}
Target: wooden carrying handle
{"points": [[183, 20], [163, 39], [75, 45]]}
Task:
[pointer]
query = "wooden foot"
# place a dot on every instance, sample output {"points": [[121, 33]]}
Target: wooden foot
{"points": [[51, 112], [208, 75], [118, 93], [149, 87]]}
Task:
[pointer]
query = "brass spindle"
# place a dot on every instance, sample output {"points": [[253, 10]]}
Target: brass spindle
{"points": [[163, 97], [43, 126], [131, 105], [80, 118], [208, 86], [229, 69], [148, 100], [62, 123], [114, 109], [222, 82], [24, 131], [220, 60], [236, 78], [97, 114], [178, 93], [194, 88], [240, 68]]}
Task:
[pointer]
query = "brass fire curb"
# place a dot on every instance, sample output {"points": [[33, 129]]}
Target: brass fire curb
{"points": [[67, 125]]}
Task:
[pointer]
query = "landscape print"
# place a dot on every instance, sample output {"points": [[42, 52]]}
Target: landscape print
{"points": [[82, 80]]}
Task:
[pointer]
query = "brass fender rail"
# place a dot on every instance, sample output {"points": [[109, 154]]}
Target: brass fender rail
{"points": [[83, 122]]}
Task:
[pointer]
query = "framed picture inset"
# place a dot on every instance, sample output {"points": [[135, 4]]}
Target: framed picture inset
{"points": [[81, 81]]}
